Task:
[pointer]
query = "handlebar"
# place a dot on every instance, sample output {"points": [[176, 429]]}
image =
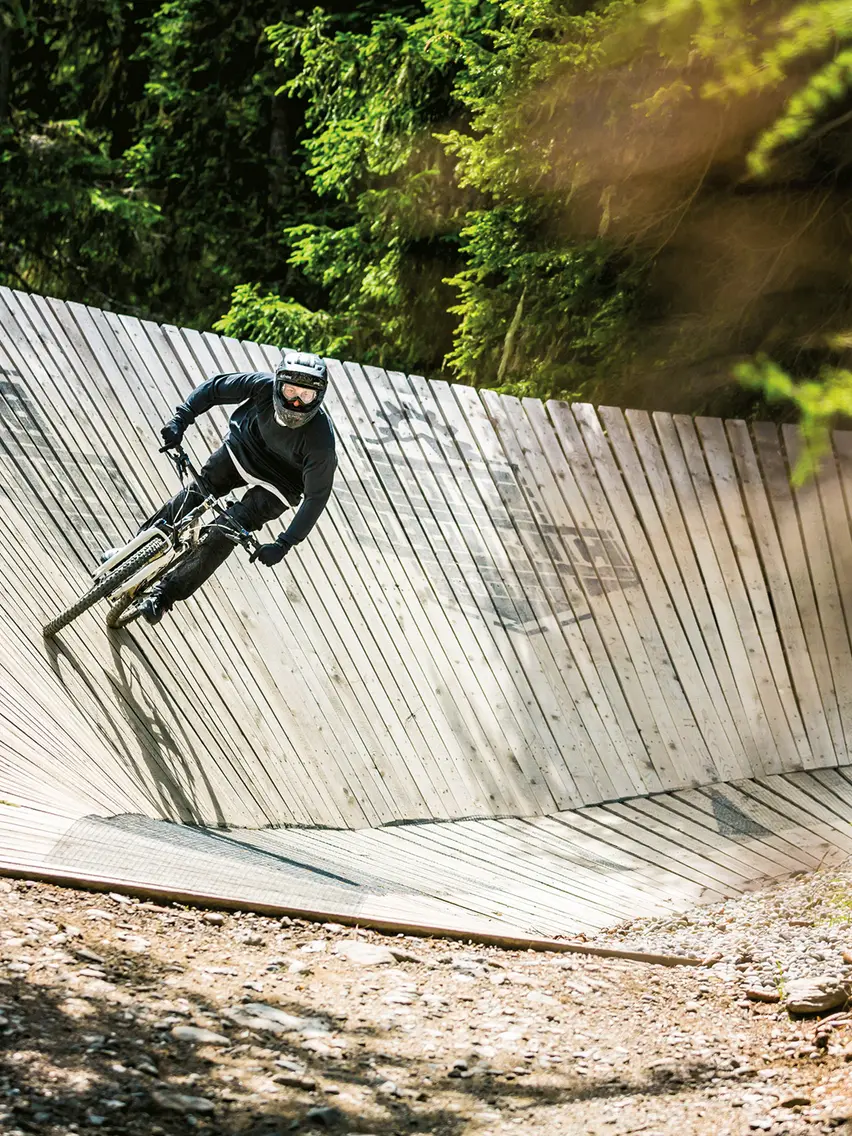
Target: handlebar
{"points": [[182, 462], [180, 459]]}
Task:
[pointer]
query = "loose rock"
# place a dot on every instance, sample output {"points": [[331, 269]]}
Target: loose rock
{"points": [[259, 1016], [758, 994], [815, 995], [181, 1102], [364, 954], [199, 1036], [294, 1081]]}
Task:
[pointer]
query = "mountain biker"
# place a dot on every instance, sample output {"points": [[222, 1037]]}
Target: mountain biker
{"points": [[280, 443]]}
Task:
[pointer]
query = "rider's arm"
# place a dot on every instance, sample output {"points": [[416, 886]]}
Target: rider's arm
{"points": [[221, 390], [318, 475]]}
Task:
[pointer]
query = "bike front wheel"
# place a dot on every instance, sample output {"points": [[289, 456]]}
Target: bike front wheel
{"points": [[103, 587]]}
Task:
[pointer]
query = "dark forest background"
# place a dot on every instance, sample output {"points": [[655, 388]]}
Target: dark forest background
{"points": [[626, 203]]}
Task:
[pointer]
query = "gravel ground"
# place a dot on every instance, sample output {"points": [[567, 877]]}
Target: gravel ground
{"points": [[127, 1017]]}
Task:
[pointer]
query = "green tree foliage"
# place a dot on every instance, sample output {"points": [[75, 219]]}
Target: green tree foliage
{"points": [[383, 235], [538, 320], [805, 51], [430, 250], [620, 200], [71, 222], [545, 307], [214, 150], [147, 161]]}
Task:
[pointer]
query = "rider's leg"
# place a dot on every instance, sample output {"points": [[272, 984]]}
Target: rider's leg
{"points": [[220, 476], [256, 508]]}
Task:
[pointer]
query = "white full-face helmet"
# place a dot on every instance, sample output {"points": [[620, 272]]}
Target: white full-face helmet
{"points": [[301, 380]]}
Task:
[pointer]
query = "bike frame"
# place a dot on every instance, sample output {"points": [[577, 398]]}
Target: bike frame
{"points": [[185, 532]]}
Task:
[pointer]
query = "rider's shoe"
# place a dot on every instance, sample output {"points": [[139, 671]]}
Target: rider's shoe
{"points": [[154, 606]]}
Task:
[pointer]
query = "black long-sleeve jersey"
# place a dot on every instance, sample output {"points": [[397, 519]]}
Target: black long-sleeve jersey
{"points": [[299, 463]]}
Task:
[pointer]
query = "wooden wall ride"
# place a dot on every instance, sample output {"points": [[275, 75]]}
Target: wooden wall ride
{"points": [[509, 608]]}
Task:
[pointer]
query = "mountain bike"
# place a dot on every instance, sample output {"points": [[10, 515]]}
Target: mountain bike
{"points": [[128, 575]]}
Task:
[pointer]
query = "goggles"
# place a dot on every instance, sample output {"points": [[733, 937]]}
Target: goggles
{"points": [[296, 395]]}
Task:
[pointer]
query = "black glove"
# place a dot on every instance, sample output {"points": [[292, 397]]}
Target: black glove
{"points": [[273, 553], [172, 434]]}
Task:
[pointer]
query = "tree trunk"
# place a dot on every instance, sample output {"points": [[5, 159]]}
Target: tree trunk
{"points": [[278, 151]]}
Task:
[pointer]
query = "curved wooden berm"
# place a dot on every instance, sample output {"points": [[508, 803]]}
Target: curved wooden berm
{"points": [[509, 608]]}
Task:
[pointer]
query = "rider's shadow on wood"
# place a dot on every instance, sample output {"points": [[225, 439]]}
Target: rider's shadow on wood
{"points": [[165, 762], [171, 753]]}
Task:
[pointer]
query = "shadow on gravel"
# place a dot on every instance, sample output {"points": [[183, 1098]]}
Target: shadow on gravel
{"points": [[91, 1052]]}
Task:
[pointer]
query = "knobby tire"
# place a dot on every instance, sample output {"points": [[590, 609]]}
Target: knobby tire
{"points": [[126, 610], [114, 620], [102, 588]]}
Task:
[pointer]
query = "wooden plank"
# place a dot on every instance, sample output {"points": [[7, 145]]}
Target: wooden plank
{"points": [[829, 605], [32, 552], [535, 878], [58, 685], [785, 754], [557, 505], [66, 424], [816, 715], [84, 474], [566, 643], [729, 496], [605, 771], [645, 466], [472, 864], [837, 782], [758, 848], [692, 708], [386, 532], [842, 444], [726, 807], [776, 479], [370, 398], [695, 845], [560, 843], [37, 452], [765, 757], [470, 584], [389, 596], [624, 834], [560, 864], [460, 872], [837, 526], [680, 596], [789, 795], [826, 787], [495, 588]]}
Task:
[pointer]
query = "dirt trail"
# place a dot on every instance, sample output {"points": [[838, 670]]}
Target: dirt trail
{"points": [[103, 1001]]}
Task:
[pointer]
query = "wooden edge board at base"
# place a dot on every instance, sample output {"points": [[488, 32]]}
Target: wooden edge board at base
{"points": [[389, 926]]}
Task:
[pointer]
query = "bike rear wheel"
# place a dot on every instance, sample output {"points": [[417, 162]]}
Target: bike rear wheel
{"points": [[116, 615], [126, 609], [103, 588]]}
